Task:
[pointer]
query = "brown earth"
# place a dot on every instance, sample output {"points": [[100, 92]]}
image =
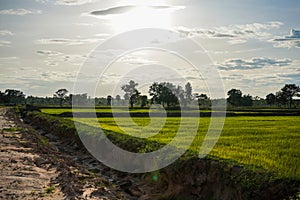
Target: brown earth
{"points": [[37, 167]]}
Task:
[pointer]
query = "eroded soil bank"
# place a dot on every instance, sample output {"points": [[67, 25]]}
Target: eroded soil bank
{"points": [[187, 178]]}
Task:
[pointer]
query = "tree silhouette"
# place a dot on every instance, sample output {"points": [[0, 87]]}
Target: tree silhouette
{"points": [[108, 100], [131, 93], [271, 99], [163, 93], [188, 92], [235, 97], [61, 94], [288, 92], [14, 96], [118, 99], [247, 100], [203, 100], [143, 100]]}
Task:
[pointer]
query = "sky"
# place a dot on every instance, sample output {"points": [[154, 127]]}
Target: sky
{"points": [[89, 45]]}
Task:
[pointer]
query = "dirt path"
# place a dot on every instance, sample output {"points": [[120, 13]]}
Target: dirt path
{"points": [[33, 168], [20, 175]]}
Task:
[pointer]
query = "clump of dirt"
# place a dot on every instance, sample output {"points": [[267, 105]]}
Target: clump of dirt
{"points": [[211, 179]]}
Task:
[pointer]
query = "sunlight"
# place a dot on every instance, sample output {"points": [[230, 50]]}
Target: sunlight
{"points": [[142, 17]]}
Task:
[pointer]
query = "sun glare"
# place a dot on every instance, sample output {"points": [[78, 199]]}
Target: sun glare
{"points": [[142, 17]]}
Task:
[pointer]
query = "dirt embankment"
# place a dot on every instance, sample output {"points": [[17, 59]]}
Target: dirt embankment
{"points": [[187, 178], [33, 168]]}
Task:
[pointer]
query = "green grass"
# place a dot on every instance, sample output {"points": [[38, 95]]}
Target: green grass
{"points": [[62, 110], [269, 142]]}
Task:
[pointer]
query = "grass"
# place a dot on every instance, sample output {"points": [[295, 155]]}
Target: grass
{"points": [[269, 142]]}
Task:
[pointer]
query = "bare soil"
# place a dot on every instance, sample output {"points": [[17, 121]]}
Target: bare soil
{"points": [[33, 166]]}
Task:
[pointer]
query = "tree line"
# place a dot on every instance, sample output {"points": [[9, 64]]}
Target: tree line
{"points": [[167, 94]]}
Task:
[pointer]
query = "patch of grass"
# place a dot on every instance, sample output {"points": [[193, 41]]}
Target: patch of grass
{"points": [[50, 190], [269, 142], [44, 141], [12, 129]]}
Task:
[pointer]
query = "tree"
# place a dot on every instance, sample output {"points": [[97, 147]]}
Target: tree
{"points": [[144, 100], [108, 100], [131, 93], [163, 93], [271, 99], [118, 99], [180, 93], [77, 99], [188, 92], [288, 92], [61, 94], [247, 100], [203, 100], [14, 96], [235, 97]]}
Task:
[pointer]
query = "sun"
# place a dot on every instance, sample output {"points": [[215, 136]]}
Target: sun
{"points": [[142, 17]]}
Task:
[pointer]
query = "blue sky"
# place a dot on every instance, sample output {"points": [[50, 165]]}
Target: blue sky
{"points": [[45, 43]]}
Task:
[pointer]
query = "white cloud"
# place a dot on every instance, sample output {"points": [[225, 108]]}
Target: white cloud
{"points": [[254, 63], [66, 41], [5, 43], [124, 9], [48, 53], [73, 2], [134, 60], [236, 34], [8, 58], [19, 12], [6, 33], [55, 57], [288, 41]]}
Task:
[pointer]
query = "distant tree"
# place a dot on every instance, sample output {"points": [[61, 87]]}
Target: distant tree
{"points": [[271, 99], [61, 94], [108, 100], [144, 100], [288, 92], [118, 99], [14, 96], [180, 93], [163, 93], [281, 99], [78, 99], [203, 100], [247, 100], [235, 97], [3, 98], [188, 92], [131, 93]]}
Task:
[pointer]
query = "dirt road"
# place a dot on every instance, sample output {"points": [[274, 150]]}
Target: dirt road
{"points": [[33, 168]]}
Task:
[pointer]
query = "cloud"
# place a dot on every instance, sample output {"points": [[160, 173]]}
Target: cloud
{"points": [[41, 1], [254, 63], [5, 43], [55, 57], [8, 58], [6, 33], [66, 41], [73, 2], [133, 60], [288, 41], [19, 12], [48, 53], [124, 9], [236, 34], [290, 76]]}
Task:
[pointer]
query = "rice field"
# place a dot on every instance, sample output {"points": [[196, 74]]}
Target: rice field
{"points": [[268, 142]]}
